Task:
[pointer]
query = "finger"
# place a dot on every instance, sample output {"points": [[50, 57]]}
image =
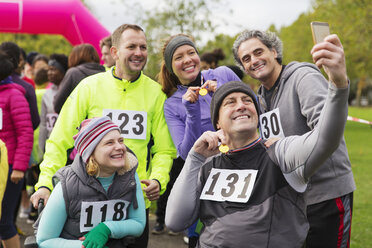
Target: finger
{"points": [[153, 197], [35, 200], [145, 181], [327, 45], [221, 136], [193, 89], [212, 141], [334, 39]]}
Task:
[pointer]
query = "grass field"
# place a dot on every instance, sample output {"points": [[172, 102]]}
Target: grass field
{"points": [[359, 143]]}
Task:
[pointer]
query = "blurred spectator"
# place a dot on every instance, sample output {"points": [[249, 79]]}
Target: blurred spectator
{"points": [[105, 45], [16, 132], [209, 60], [83, 61], [58, 65], [13, 52], [237, 71], [27, 70]]}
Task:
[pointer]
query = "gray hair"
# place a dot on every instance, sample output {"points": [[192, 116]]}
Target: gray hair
{"points": [[269, 39]]}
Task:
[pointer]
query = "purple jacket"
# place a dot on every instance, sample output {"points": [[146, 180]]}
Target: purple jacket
{"points": [[16, 132], [187, 121]]}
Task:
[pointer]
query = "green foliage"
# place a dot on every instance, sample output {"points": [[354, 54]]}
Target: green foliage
{"points": [[45, 44], [358, 138], [349, 19], [172, 17]]}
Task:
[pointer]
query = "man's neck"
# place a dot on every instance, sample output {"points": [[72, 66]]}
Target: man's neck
{"points": [[126, 76], [241, 140], [270, 81]]}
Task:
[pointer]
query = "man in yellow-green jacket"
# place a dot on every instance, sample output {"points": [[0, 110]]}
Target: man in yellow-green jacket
{"points": [[134, 102]]}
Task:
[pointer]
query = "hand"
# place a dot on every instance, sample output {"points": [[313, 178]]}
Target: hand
{"points": [[152, 189], [208, 143], [42, 193], [330, 55], [97, 237], [192, 94], [210, 85], [270, 142], [16, 176]]}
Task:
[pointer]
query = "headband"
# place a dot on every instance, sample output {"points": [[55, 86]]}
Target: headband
{"points": [[173, 44]]}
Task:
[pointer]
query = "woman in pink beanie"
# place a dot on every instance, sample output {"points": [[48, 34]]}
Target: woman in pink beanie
{"points": [[98, 200]]}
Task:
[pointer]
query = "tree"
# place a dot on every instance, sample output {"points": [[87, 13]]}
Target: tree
{"points": [[45, 44], [191, 17], [350, 20]]}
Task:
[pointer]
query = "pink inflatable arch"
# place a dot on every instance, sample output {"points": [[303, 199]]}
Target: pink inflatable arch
{"points": [[69, 18]]}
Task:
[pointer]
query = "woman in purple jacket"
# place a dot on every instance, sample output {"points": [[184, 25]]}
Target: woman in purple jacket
{"points": [[17, 133], [187, 111]]}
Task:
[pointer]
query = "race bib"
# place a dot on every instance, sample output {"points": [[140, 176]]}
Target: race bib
{"points": [[1, 118], [93, 213], [51, 121], [229, 185], [132, 124], [270, 125]]}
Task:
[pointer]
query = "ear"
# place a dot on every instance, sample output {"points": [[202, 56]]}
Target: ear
{"points": [[114, 53], [218, 126], [275, 53]]}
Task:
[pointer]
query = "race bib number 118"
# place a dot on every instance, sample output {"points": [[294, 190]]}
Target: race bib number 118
{"points": [[93, 213]]}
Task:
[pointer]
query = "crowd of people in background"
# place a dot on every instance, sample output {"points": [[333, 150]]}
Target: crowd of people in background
{"points": [[100, 142]]}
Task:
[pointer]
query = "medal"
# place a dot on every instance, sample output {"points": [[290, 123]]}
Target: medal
{"points": [[203, 92], [223, 148]]}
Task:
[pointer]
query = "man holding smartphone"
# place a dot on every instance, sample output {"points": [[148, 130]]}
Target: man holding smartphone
{"points": [[291, 98]]}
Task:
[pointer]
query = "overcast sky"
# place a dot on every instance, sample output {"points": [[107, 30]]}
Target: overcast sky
{"points": [[258, 14]]}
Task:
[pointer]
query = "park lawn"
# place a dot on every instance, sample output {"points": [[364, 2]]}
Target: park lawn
{"points": [[358, 138]]}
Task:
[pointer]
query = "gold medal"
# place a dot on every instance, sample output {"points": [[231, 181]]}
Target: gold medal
{"points": [[223, 148], [203, 92]]}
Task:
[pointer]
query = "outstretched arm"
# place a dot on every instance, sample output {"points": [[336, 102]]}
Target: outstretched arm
{"points": [[300, 156]]}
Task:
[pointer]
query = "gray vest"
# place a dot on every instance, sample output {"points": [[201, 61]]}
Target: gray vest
{"points": [[78, 186]]}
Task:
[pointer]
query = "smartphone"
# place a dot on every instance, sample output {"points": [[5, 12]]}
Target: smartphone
{"points": [[320, 30]]}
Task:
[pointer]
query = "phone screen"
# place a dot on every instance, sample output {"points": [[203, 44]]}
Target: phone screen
{"points": [[320, 30]]}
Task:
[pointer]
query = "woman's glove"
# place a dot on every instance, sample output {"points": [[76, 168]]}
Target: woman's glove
{"points": [[97, 237]]}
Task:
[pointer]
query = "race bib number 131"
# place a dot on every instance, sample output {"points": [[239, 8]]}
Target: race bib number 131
{"points": [[229, 185]]}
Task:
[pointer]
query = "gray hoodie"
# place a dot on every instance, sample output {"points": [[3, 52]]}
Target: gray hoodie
{"points": [[300, 96]]}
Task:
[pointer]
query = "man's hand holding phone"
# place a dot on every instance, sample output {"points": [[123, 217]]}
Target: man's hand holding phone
{"points": [[329, 54]]}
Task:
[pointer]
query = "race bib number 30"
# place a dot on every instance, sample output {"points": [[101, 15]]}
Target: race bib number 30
{"points": [[132, 124], [270, 125], [93, 213], [229, 185]]}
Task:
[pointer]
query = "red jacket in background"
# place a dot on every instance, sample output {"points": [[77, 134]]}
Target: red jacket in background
{"points": [[16, 132]]}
